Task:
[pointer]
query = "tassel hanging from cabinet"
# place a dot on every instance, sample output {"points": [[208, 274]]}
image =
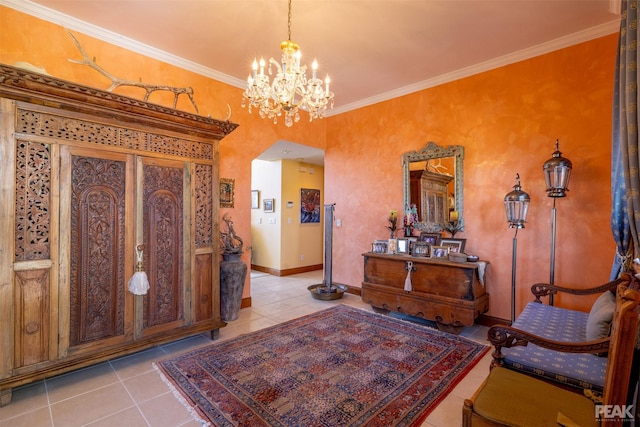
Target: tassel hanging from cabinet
{"points": [[408, 286], [139, 283]]}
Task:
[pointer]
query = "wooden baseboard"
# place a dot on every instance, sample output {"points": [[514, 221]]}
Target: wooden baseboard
{"points": [[485, 320], [354, 290], [287, 272], [245, 303]]}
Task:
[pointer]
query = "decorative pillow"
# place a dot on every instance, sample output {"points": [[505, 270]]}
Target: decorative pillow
{"points": [[601, 316]]}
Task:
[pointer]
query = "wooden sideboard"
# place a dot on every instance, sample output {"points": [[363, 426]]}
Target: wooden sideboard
{"points": [[87, 176], [450, 293]]}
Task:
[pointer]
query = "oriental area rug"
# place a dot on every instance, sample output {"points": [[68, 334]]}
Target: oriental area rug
{"points": [[341, 366]]}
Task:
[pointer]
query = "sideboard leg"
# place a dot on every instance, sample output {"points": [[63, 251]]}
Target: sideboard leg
{"points": [[452, 329], [5, 397], [380, 310]]}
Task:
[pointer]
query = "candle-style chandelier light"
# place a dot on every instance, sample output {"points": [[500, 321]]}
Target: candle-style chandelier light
{"points": [[290, 90]]}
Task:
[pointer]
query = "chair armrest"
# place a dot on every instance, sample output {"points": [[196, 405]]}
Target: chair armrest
{"points": [[544, 289], [507, 337]]}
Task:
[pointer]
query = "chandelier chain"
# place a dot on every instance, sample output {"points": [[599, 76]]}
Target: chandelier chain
{"points": [[289, 21]]}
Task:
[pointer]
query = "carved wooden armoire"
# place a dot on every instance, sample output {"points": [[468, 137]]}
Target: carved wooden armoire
{"points": [[87, 176]]}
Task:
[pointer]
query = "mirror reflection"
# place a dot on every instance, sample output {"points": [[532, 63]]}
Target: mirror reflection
{"points": [[433, 186]]}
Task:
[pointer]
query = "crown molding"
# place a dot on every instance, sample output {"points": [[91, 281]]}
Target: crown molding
{"points": [[521, 55], [108, 36], [75, 24]]}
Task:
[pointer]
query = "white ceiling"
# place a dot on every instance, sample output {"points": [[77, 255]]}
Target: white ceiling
{"points": [[372, 49]]}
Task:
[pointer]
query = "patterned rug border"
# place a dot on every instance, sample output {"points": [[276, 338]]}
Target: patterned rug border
{"points": [[201, 417]]}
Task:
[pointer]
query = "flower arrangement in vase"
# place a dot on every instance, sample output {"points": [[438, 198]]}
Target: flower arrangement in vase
{"points": [[393, 223]]}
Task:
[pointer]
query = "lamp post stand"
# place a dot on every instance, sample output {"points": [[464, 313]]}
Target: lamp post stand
{"points": [[516, 204], [552, 265], [513, 276], [557, 171]]}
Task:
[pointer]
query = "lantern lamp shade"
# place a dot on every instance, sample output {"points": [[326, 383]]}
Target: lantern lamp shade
{"points": [[516, 205], [557, 171]]}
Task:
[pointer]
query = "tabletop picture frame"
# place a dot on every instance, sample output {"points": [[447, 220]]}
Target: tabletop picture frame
{"points": [[430, 238], [439, 252], [455, 245], [421, 249], [379, 246], [402, 246]]}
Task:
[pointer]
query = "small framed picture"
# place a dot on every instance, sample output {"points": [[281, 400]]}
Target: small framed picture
{"points": [[379, 246], [440, 252], [430, 238], [226, 192], [421, 249], [392, 246], [269, 205], [454, 245], [255, 199], [403, 246]]}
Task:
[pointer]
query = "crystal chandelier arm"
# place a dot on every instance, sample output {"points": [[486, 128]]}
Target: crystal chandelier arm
{"points": [[277, 65]]}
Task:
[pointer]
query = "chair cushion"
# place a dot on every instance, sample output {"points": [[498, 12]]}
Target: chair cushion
{"points": [[601, 316], [515, 399], [574, 369]]}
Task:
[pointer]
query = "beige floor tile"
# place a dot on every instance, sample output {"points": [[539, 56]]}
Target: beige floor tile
{"points": [[145, 386], [91, 406], [40, 417], [77, 382], [136, 364], [191, 423], [128, 418], [165, 411], [24, 399], [185, 344], [448, 413]]}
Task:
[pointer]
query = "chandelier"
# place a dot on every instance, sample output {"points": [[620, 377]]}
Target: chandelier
{"points": [[290, 90]]}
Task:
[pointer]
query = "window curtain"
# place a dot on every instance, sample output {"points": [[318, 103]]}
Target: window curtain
{"points": [[625, 180]]}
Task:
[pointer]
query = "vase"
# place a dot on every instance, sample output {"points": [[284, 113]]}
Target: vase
{"points": [[233, 273]]}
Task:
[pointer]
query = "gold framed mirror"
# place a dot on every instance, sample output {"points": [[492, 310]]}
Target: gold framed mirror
{"points": [[433, 181]]}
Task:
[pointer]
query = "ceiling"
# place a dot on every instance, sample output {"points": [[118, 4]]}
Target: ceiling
{"points": [[372, 49]]}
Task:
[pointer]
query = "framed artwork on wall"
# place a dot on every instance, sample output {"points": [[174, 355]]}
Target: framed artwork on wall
{"points": [[269, 205], [226, 192], [309, 205], [255, 199]]}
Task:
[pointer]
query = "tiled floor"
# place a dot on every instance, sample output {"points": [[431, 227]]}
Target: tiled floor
{"points": [[127, 392]]}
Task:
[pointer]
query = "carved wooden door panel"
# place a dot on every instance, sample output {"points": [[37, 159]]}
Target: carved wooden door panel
{"points": [[97, 205], [163, 214]]}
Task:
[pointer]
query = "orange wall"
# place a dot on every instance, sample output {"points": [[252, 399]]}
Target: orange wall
{"points": [[507, 119]]}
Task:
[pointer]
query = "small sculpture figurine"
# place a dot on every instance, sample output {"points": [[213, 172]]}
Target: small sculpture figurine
{"points": [[230, 242]]}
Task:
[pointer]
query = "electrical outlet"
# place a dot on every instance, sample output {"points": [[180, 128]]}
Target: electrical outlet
{"points": [[301, 257]]}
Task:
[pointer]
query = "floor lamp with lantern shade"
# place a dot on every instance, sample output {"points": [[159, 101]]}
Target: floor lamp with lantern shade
{"points": [[516, 204], [557, 171]]}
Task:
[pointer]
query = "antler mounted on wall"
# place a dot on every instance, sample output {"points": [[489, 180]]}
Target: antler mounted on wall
{"points": [[116, 81]]}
